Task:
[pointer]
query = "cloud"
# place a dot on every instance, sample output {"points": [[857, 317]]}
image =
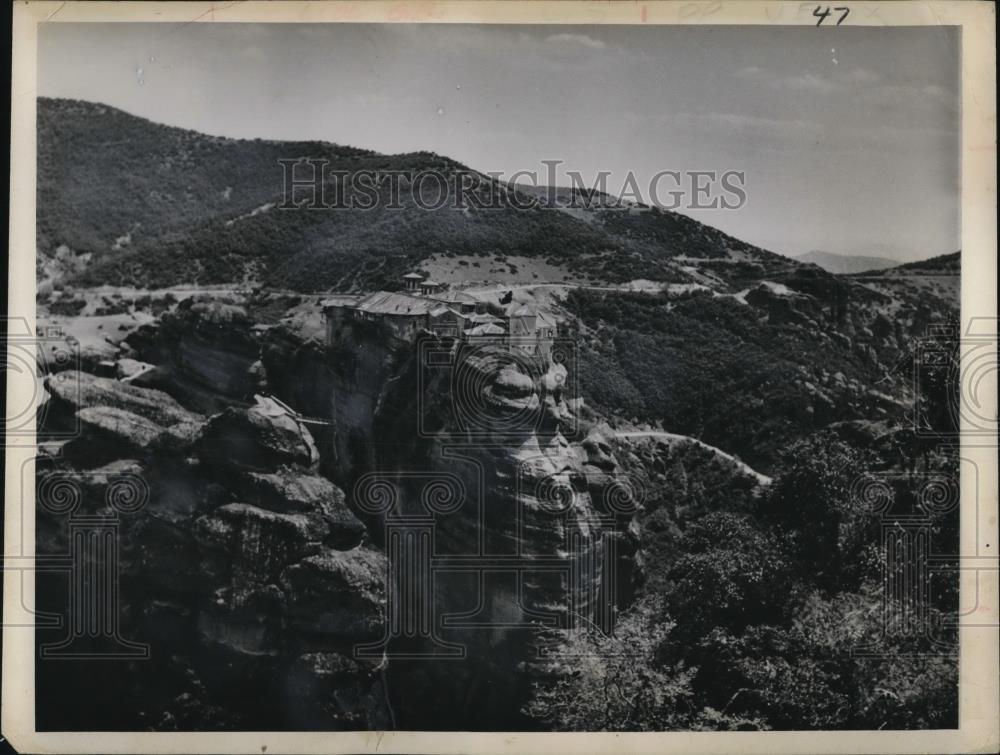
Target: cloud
{"points": [[750, 72], [581, 40], [742, 125], [801, 82], [870, 86], [862, 76], [811, 82]]}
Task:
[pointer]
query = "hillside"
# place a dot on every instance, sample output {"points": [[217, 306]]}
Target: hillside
{"points": [[126, 201], [935, 282], [943, 264], [844, 264]]}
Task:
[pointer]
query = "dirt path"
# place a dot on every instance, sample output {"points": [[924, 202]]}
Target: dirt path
{"points": [[500, 287], [675, 438]]}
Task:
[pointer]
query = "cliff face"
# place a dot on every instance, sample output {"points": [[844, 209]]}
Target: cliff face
{"points": [[401, 559], [476, 449]]}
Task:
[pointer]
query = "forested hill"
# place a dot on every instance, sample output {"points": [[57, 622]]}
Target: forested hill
{"points": [[943, 264], [140, 203]]}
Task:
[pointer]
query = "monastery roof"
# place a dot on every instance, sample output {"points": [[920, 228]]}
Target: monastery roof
{"points": [[414, 276], [458, 297], [486, 329], [396, 303], [528, 310], [340, 300]]}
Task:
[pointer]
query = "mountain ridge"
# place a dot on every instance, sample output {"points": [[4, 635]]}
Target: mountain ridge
{"points": [[144, 204]]}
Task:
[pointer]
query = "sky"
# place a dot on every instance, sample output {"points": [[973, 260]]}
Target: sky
{"points": [[848, 137]]}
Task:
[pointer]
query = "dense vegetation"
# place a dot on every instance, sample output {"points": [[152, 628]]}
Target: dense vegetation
{"points": [[720, 370], [771, 611]]}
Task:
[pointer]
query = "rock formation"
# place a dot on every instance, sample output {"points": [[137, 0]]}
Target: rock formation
{"points": [[244, 571], [470, 443], [248, 570]]}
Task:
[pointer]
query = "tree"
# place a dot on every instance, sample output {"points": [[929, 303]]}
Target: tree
{"points": [[621, 682], [834, 667], [824, 503], [732, 574]]}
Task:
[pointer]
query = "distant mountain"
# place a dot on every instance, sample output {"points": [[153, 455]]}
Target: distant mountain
{"points": [[844, 264], [126, 201]]}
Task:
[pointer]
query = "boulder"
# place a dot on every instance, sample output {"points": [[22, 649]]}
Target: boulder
{"points": [[493, 389], [511, 390], [81, 390], [557, 415], [246, 621], [120, 427], [167, 559], [259, 543], [133, 432], [262, 437], [289, 491], [781, 304], [130, 368], [340, 594], [212, 343], [598, 451]]}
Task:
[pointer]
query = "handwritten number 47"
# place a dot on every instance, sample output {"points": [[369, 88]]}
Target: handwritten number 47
{"points": [[822, 12]]}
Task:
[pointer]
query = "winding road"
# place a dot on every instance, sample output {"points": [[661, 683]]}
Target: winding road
{"points": [[675, 438], [502, 287]]}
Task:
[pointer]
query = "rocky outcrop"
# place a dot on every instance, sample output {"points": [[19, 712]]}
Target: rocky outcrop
{"points": [[105, 419], [81, 390], [127, 429], [212, 343], [290, 491], [250, 569], [242, 568], [261, 437], [784, 305], [258, 543], [338, 594], [476, 440]]}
